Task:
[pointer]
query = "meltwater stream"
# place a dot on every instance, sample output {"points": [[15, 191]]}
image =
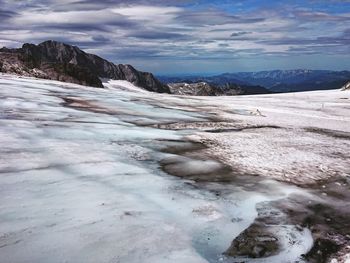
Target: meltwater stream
{"points": [[80, 181]]}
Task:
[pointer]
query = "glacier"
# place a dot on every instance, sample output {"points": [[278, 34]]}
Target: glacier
{"points": [[81, 180]]}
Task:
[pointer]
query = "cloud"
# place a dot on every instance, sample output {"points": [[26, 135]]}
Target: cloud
{"points": [[162, 30], [6, 14], [140, 12], [214, 17], [320, 16], [150, 34], [101, 17], [240, 33]]}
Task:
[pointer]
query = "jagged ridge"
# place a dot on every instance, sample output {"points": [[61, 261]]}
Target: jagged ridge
{"points": [[59, 61]]}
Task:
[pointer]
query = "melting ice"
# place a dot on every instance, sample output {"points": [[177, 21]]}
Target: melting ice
{"points": [[80, 181]]}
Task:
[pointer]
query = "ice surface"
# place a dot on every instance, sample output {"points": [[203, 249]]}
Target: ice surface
{"points": [[78, 182]]}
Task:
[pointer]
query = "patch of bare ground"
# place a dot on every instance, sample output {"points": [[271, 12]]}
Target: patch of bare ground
{"points": [[289, 155], [311, 158], [197, 125], [328, 221], [328, 218]]}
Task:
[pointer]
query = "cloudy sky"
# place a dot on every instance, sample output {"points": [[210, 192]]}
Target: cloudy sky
{"points": [[188, 36]]}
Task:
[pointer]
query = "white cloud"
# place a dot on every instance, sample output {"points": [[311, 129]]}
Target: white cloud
{"points": [[141, 12], [169, 31], [72, 17]]}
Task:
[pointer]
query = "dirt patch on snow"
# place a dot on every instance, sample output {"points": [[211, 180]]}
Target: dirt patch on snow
{"points": [[197, 125], [289, 155]]}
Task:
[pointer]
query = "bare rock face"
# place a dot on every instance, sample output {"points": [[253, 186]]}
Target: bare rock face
{"points": [[346, 86], [254, 242], [194, 89], [59, 61], [210, 89]]}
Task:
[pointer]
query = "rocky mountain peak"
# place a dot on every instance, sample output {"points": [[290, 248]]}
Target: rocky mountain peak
{"points": [[346, 86], [60, 61]]}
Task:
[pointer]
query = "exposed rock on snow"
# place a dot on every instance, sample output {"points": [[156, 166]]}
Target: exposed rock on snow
{"points": [[195, 89], [212, 89], [346, 86], [254, 243]]}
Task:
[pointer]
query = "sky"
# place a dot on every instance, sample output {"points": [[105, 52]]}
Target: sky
{"points": [[187, 36]]}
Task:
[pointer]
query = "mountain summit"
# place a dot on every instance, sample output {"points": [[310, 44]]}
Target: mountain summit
{"points": [[59, 61]]}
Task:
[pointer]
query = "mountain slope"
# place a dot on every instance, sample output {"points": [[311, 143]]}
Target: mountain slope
{"points": [[275, 80], [292, 80], [59, 61], [211, 86]]}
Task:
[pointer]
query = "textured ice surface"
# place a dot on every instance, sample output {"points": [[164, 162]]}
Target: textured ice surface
{"points": [[78, 182]]}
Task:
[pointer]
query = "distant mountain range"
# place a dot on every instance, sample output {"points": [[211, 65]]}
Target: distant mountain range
{"points": [[59, 61], [274, 80]]}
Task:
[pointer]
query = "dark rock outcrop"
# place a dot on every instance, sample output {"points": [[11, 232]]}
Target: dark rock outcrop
{"points": [[59, 61], [194, 89], [211, 89], [254, 242], [346, 86]]}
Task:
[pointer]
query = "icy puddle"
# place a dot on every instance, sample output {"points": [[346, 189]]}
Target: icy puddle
{"points": [[81, 181]]}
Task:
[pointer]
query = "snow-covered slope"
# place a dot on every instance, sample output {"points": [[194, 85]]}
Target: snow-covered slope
{"points": [[81, 181]]}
